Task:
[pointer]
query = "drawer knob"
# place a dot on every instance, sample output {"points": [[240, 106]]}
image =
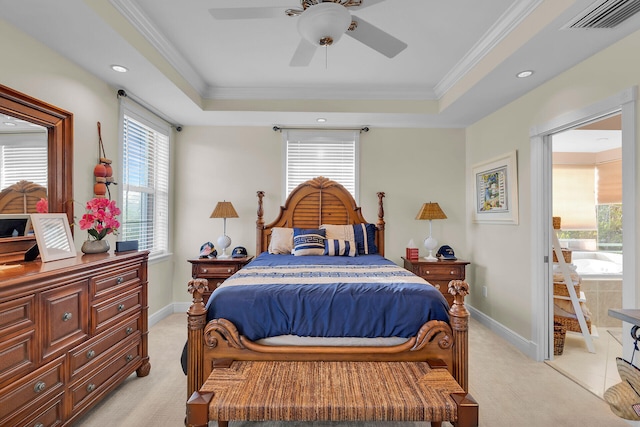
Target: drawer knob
{"points": [[452, 272], [40, 386], [120, 307], [67, 316], [204, 270], [91, 354], [129, 358], [428, 272], [91, 387], [228, 270], [437, 286], [38, 425], [119, 280], [129, 330]]}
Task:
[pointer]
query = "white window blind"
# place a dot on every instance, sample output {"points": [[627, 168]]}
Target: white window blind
{"points": [[23, 161], [574, 196], [145, 180], [609, 182], [331, 154]]}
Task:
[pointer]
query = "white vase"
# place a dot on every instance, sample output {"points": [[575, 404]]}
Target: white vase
{"points": [[95, 246]]}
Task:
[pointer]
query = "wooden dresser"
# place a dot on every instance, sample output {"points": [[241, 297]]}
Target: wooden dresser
{"points": [[439, 273], [70, 332]]}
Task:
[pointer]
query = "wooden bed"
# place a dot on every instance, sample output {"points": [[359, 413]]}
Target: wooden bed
{"points": [[315, 202]]}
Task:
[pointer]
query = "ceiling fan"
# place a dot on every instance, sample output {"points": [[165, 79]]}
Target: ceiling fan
{"points": [[322, 23]]}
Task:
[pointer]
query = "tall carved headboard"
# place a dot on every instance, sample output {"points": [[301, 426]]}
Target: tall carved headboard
{"points": [[21, 197], [315, 202]]}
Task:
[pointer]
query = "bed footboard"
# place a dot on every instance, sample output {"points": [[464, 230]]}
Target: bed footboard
{"points": [[219, 339]]}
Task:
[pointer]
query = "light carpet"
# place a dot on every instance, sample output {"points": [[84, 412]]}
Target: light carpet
{"points": [[511, 389]]}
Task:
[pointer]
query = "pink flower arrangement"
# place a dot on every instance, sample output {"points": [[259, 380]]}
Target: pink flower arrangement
{"points": [[100, 218], [42, 206]]}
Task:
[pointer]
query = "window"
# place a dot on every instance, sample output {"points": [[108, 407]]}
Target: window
{"points": [[332, 154], [23, 157], [145, 179]]}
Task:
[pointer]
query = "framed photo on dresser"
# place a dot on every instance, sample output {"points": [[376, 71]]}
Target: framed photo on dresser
{"points": [[53, 236]]}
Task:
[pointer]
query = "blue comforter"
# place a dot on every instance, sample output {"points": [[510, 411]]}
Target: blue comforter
{"points": [[326, 296]]}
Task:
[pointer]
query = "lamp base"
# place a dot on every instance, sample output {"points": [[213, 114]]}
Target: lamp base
{"points": [[224, 242], [430, 244]]}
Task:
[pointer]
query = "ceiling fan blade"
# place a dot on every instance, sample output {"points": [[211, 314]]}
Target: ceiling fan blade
{"points": [[303, 54], [376, 39], [247, 12]]}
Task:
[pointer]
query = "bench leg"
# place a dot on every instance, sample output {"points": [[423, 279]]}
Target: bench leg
{"points": [[198, 409], [223, 423], [467, 410], [436, 423]]}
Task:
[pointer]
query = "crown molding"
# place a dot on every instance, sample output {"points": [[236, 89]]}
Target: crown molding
{"points": [[143, 25], [509, 20]]}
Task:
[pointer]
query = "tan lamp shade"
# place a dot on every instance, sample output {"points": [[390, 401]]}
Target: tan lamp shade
{"points": [[431, 211], [224, 210]]}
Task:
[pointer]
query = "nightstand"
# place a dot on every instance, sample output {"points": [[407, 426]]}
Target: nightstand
{"points": [[216, 270], [439, 273]]}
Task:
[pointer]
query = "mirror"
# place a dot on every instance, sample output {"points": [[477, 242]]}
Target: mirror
{"points": [[59, 126], [59, 136]]}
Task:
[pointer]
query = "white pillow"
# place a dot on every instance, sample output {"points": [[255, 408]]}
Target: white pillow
{"points": [[338, 232], [281, 241]]}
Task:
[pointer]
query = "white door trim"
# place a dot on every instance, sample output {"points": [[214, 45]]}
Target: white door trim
{"points": [[541, 210]]}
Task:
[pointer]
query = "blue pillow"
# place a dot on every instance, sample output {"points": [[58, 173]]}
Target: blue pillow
{"points": [[308, 241], [365, 236], [335, 247]]}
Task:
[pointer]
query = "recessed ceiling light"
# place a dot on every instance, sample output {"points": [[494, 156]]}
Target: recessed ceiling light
{"points": [[10, 124], [523, 74], [119, 68], [321, 120]]}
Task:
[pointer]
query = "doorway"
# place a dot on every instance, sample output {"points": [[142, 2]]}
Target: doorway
{"points": [[541, 212], [587, 205]]}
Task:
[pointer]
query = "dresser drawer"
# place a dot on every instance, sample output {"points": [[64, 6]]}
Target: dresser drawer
{"points": [[216, 271], [113, 282], [109, 312], [17, 356], [31, 391], [47, 415], [65, 320], [441, 272], [17, 314], [83, 358], [89, 388]]}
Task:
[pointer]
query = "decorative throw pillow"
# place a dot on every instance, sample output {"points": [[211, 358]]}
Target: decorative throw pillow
{"points": [[339, 232], [308, 241], [281, 240], [334, 247], [365, 237]]}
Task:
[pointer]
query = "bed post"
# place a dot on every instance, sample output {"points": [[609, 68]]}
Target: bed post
{"points": [[197, 319], [380, 223], [460, 325], [259, 224]]}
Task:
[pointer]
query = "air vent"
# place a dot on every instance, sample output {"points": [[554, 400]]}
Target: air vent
{"points": [[605, 14]]}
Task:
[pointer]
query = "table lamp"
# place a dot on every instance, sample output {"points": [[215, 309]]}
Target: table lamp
{"points": [[224, 210], [430, 211]]}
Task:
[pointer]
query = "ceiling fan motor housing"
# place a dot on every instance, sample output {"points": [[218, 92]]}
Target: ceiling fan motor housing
{"points": [[324, 23]]}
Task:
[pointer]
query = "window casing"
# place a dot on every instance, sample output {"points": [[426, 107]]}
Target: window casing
{"points": [[144, 185], [331, 154]]}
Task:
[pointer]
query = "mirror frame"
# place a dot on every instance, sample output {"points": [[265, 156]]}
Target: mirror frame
{"points": [[59, 124]]}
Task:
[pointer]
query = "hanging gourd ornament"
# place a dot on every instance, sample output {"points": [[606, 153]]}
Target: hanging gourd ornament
{"points": [[103, 171]]}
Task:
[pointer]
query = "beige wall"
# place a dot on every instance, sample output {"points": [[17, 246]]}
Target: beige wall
{"points": [[411, 166], [32, 68], [501, 254]]}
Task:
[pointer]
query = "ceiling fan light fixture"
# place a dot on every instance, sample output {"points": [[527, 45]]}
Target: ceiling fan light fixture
{"points": [[324, 23]]}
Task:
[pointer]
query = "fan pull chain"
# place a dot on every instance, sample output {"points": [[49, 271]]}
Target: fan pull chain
{"points": [[326, 57]]}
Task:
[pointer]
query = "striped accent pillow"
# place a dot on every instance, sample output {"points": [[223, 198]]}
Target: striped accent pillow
{"points": [[365, 236], [335, 247], [308, 241]]}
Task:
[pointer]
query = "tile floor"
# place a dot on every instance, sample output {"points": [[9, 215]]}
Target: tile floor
{"points": [[597, 371]]}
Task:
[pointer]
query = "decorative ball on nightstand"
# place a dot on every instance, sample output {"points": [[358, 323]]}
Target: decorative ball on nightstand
{"points": [[430, 244]]}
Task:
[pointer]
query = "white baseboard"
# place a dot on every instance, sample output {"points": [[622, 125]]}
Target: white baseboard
{"points": [[176, 307], [529, 348]]}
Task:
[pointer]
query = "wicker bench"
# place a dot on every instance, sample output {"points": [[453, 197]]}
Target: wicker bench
{"points": [[331, 391]]}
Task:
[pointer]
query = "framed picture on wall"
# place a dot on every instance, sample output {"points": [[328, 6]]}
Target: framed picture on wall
{"points": [[496, 190]]}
